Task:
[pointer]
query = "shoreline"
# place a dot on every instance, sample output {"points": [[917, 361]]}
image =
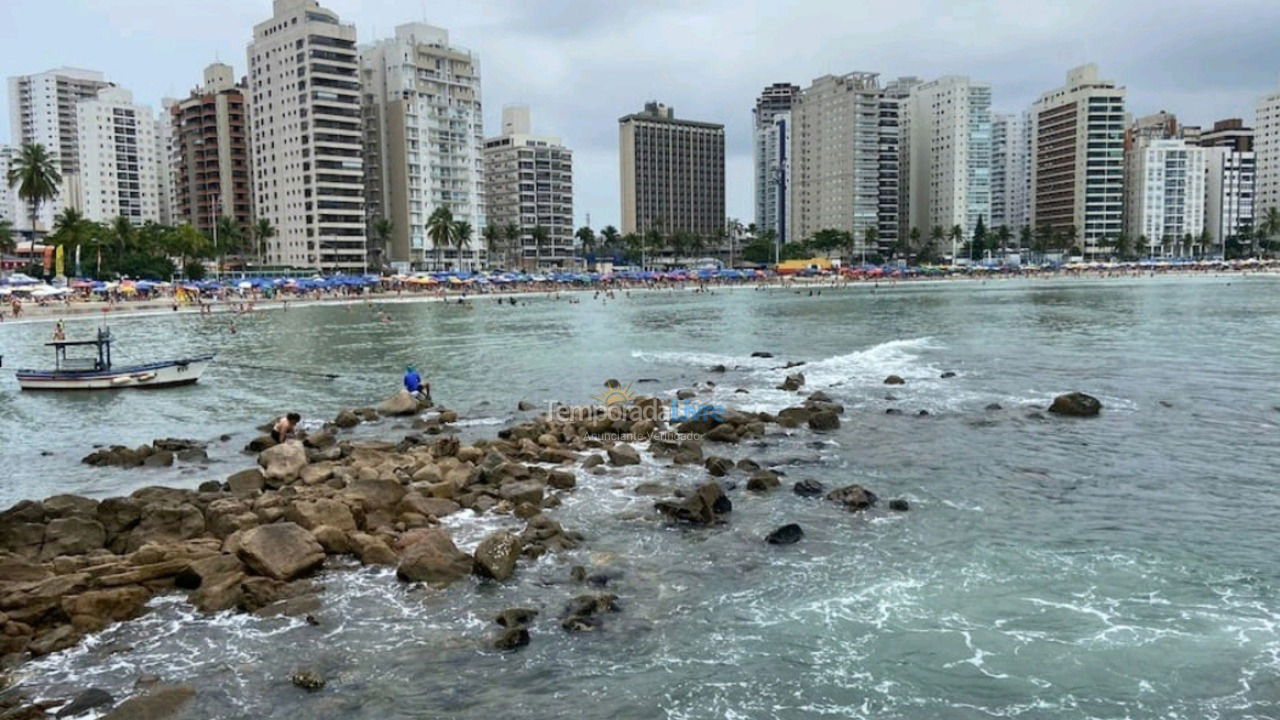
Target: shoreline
{"points": [[157, 307]]}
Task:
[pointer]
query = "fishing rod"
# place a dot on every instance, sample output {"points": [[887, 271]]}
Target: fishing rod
{"points": [[328, 376]]}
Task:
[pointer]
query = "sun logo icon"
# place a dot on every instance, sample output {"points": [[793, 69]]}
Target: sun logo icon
{"points": [[615, 394]]}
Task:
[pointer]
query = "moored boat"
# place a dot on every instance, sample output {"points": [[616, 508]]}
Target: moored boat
{"points": [[96, 372]]}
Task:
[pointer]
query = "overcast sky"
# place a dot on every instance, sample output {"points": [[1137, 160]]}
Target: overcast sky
{"points": [[580, 64]]}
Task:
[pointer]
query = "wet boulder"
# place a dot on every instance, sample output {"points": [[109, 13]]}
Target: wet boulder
{"points": [[282, 551], [434, 559], [763, 481], [786, 535], [703, 507], [282, 463], [894, 380], [496, 555], [808, 488], [585, 612], [1076, 404], [402, 403], [159, 703], [623, 454], [824, 420], [72, 536], [793, 382], [853, 497]]}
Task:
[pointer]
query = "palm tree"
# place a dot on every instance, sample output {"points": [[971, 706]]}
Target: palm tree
{"points": [[913, 242], [1204, 241], [513, 233], [263, 231], [72, 231], [651, 240], [34, 172], [609, 238], [1003, 236], [936, 236], [381, 232], [492, 237], [587, 239], [957, 239], [1025, 239], [440, 229], [7, 244], [230, 237], [540, 236], [633, 246], [461, 238], [1268, 228]]}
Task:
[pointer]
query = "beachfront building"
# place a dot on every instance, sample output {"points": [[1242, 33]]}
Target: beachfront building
{"points": [[1168, 178], [424, 143], [672, 173], [305, 138], [1010, 171], [210, 152], [1267, 147], [1230, 181], [842, 163], [529, 184], [166, 177], [1077, 168], [949, 154], [42, 111], [119, 158], [8, 197], [771, 149]]}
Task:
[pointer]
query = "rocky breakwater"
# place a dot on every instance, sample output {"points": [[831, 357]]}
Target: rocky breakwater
{"points": [[251, 542]]}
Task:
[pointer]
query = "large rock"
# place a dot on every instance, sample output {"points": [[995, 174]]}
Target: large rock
{"points": [[529, 491], [402, 403], [94, 609], [61, 506], [853, 497], [702, 507], [434, 559], [1076, 404], [824, 420], [164, 522], [282, 551], [378, 494], [346, 419], [246, 482], [496, 555], [72, 536], [894, 380], [785, 535], [284, 462], [86, 701], [160, 703], [311, 514], [793, 382], [623, 454]]}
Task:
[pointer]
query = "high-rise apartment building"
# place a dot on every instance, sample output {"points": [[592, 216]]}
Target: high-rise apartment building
{"points": [[210, 152], [1168, 178], [1011, 171], [119, 161], [1230, 180], [42, 111], [1267, 146], [424, 142], [772, 155], [305, 137], [529, 182], [949, 156], [8, 198], [672, 173], [893, 101], [846, 160], [1077, 169]]}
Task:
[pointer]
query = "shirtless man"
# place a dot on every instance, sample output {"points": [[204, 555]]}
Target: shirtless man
{"points": [[285, 427]]}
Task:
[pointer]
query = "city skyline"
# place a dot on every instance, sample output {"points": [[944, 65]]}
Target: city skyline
{"points": [[579, 76]]}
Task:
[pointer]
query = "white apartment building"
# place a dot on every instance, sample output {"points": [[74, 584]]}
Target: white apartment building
{"points": [[165, 179], [1011, 171], [1169, 196], [529, 182], [8, 196], [837, 173], [119, 158], [949, 154], [1266, 145], [42, 111], [771, 150], [1077, 159], [424, 141], [305, 137], [1229, 192]]}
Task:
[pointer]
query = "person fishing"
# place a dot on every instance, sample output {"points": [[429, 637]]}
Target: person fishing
{"points": [[285, 427], [414, 384]]}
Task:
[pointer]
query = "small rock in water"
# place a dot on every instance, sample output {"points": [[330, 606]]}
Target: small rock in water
{"points": [[899, 505], [923, 413], [947, 374], [513, 638], [853, 497], [785, 535], [210, 486], [307, 679], [86, 701], [1166, 403], [311, 620], [718, 368], [894, 380], [612, 383], [994, 406], [524, 405], [760, 354], [893, 411], [518, 617], [808, 488], [1076, 404]]}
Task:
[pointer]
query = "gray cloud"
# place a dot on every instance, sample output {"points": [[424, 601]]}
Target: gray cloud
{"points": [[580, 64]]}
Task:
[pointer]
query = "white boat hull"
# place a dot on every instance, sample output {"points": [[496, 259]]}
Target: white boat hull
{"points": [[154, 375]]}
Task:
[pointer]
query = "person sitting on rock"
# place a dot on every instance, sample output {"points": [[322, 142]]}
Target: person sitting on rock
{"points": [[414, 384], [285, 427]]}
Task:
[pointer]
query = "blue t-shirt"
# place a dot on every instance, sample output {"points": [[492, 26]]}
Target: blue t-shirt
{"points": [[412, 381]]}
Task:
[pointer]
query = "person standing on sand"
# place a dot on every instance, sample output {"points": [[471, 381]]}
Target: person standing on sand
{"points": [[285, 427]]}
